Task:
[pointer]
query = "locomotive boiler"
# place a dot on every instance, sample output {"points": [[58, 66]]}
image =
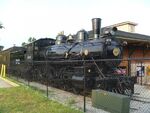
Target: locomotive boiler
{"points": [[96, 47]]}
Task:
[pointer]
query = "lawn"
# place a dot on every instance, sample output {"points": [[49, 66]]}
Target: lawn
{"points": [[23, 99]]}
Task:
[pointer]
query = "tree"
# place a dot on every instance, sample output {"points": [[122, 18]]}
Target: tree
{"points": [[1, 48], [23, 43], [31, 39], [1, 26]]}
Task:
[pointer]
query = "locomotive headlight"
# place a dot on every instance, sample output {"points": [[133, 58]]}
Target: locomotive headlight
{"points": [[116, 51], [86, 52]]}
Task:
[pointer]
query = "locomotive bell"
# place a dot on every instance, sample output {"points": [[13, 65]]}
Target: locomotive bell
{"points": [[96, 25], [82, 35], [60, 39], [70, 38]]}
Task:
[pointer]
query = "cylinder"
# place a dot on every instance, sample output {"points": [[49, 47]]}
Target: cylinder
{"points": [[96, 25]]}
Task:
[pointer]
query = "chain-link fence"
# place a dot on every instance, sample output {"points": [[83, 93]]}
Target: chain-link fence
{"points": [[69, 81]]}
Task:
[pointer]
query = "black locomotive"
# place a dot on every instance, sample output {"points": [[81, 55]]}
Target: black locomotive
{"points": [[77, 62]]}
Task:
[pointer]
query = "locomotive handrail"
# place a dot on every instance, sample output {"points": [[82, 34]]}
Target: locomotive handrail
{"points": [[67, 53], [81, 61], [73, 46]]}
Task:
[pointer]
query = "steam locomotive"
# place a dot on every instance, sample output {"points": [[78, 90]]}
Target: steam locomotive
{"points": [[76, 62]]}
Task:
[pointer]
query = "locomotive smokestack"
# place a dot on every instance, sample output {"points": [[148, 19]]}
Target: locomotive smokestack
{"points": [[96, 25]]}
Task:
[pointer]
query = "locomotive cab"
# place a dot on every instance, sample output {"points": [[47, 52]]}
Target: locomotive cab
{"points": [[36, 50]]}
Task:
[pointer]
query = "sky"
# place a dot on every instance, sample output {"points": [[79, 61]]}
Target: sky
{"points": [[46, 18]]}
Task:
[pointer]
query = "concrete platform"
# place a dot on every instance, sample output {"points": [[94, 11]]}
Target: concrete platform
{"points": [[5, 83]]}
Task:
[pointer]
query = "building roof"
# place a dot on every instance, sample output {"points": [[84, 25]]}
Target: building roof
{"points": [[122, 23], [12, 49], [133, 38]]}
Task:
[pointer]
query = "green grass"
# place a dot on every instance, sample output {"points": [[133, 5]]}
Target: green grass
{"points": [[23, 99]]}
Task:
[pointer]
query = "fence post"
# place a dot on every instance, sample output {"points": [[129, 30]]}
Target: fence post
{"points": [[129, 67], [84, 85], [46, 79], [141, 73]]}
